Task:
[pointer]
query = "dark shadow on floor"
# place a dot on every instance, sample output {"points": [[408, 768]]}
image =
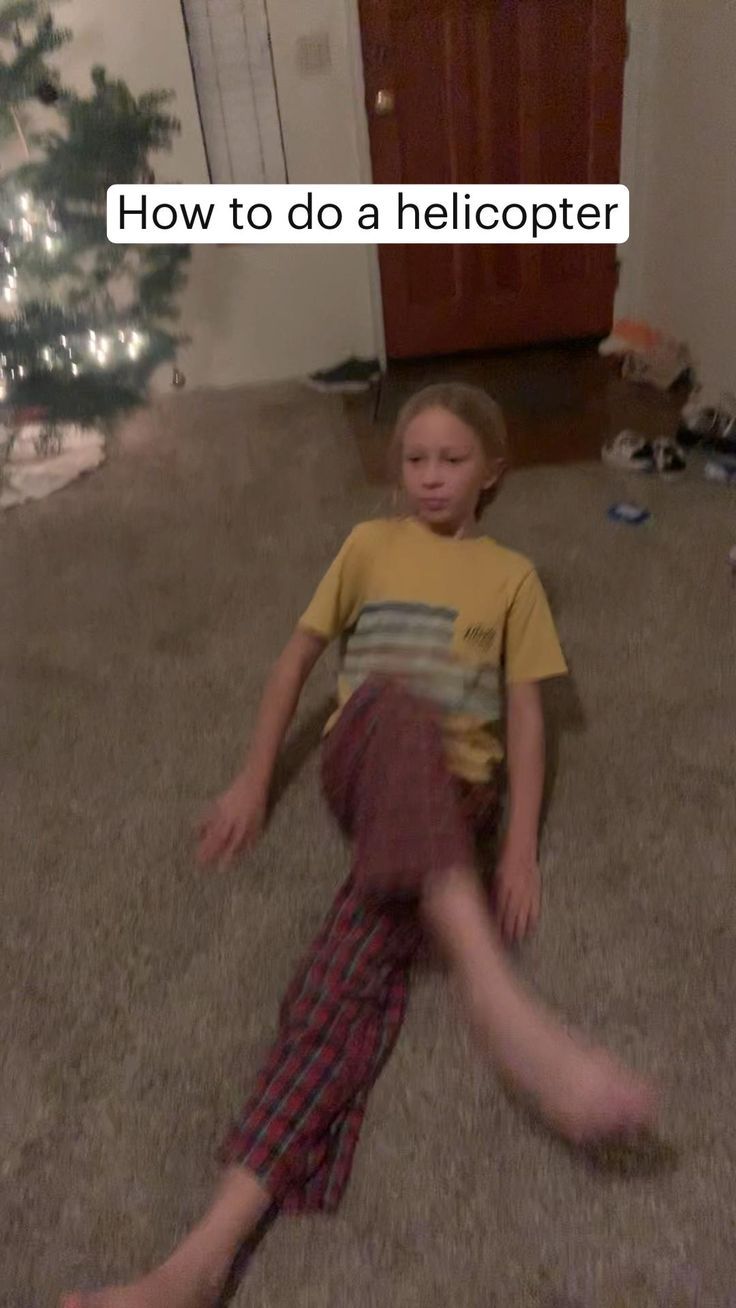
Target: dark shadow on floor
{"points": [[244, 1255], [301, 744]]}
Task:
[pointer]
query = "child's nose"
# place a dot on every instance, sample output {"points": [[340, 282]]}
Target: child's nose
{"points": [[432, 474]]}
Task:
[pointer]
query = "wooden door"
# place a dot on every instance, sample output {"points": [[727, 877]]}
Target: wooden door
{"points": [[494, 91]]}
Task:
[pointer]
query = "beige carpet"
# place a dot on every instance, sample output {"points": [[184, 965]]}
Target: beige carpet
{"points": [[140, 611]]}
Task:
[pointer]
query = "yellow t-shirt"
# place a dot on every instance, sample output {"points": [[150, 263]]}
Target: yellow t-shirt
{"points": [[453, 618]]}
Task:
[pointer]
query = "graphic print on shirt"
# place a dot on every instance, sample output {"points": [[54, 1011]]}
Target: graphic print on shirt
{"points": [[416, 643]]}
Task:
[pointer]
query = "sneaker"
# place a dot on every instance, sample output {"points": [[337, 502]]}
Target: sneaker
{"points": [[712, 425], [629, 452], [722, 470], [668, 456], [347, 378], [724, 442], [696, 424]]}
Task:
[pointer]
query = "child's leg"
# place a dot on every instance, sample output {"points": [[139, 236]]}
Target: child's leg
{"points": [[581, 1091], [387, 777], [295, 1139], [196, 1272]]}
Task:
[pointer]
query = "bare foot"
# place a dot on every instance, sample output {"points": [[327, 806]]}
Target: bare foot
{"points": [[170, 1286], [582, 1092], [196, 1273]]}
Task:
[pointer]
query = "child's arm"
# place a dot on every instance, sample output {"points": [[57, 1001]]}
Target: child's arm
{"points": [[518, 890], [237, 818]]}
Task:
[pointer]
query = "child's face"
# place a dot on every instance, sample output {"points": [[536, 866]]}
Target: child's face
{"points": [[445, 470]]}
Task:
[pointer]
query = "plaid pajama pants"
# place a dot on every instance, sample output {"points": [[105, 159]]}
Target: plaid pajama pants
{"points": [[386, 780]]}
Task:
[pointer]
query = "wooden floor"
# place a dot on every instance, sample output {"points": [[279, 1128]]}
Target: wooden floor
{"points": [[560, 402]]}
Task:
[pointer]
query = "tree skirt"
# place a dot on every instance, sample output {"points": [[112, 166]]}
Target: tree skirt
{"points": [[28, 475]]}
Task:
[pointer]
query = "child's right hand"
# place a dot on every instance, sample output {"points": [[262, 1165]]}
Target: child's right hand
{"points": [[233, 823]]}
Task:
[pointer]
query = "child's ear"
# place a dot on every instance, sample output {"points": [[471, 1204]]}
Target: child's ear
{"points": [[497, 469]]}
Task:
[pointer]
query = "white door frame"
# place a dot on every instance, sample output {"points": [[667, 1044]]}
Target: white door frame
{"points": [[363, 150]]}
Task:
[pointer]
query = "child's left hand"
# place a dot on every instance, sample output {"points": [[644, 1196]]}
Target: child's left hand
{"points": [[517, 892]]}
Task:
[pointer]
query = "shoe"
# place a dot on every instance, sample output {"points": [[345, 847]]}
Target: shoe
{"points": [[696, 425], [724, 441], [712, 425], [629, 452], [347, 378], [722, 470], [668, 456]]}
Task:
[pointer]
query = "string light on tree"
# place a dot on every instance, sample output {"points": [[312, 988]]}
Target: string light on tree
{"points": [[82, 328]]}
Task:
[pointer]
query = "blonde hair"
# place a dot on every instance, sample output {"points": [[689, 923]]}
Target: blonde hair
{"points": [[473, 406]]}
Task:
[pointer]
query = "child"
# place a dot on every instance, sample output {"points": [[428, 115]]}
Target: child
{"points": [[432, 619]]}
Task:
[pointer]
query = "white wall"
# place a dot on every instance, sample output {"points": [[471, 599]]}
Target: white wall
{"points": [[263, 313], [679, 265], [268, 312], [143, 42]]}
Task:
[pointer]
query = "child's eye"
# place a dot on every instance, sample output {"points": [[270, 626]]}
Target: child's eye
{"points": [[413, 458], [452, 458]]}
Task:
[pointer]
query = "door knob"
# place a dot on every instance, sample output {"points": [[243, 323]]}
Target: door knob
{"points": [[383, 103]]}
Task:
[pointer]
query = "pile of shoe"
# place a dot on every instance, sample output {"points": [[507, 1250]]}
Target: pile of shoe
{"points": [[710, 427], [713, 428], [632, 452]]}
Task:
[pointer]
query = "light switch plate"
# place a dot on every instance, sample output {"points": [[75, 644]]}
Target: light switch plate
{"points": [[313, 54]]}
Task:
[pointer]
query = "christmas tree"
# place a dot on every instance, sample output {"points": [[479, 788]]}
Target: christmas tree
{"points": [[83, 323]]}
